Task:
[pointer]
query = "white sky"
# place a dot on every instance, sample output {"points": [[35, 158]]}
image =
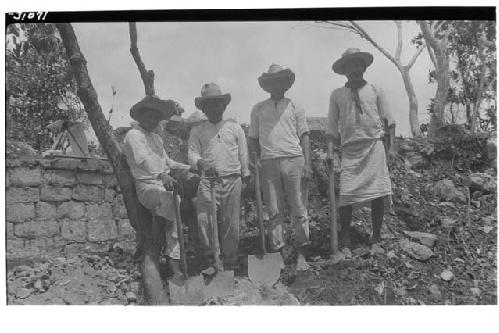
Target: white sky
{"points": [[234, 54]]}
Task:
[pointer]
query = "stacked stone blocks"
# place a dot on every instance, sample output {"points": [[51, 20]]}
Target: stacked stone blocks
{"points": [[53, 202]]}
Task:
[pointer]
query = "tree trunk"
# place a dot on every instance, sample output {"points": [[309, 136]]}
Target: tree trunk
{"points": [[412, 100], [479, 95], [441, 97], [140, 218]]}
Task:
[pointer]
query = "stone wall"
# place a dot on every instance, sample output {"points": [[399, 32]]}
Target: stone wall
{"points": [[51, 203]]}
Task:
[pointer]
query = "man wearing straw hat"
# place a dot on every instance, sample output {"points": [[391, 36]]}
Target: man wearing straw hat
{"points": [[356, 124], [279, 133], [218, 148], [150, 167]]}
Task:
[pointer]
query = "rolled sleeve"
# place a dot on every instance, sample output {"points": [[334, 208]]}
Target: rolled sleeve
{"points": [[253, 130], [332, 127], [301, 121], [383, 107], [242, 151], [194, 149]]}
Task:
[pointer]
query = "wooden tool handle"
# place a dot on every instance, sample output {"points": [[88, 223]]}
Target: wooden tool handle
{"points": [[215, 231], [334, 244], [180, 232], [260, 212]]}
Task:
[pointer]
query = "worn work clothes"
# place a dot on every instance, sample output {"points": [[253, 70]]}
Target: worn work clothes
{"points": [[223, 145], [355, 126], [228, 193], [147, 159], [146, 156], [280, 177], [364, 174], [159, 201], [278, 127]]}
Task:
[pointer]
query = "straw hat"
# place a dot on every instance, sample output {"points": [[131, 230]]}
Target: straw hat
{"points": [[349, 54], [211, 91]]}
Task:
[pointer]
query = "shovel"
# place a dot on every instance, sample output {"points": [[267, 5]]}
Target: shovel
{"points": [[222, 283], [190, 290], [265, 268]]}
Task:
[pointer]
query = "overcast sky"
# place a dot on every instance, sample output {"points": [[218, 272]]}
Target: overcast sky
{"points": [[234, 54]]}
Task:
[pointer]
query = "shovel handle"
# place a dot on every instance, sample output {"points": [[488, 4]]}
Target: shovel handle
{"points": [[215, 231], [180, 231], [334, 244], [260, 211]]}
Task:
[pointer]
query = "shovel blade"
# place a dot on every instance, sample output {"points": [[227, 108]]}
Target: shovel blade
{"points": [[265, 270], [187, 292], [221, 285]]}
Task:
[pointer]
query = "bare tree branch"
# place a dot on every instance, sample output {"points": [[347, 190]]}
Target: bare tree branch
{"points": [[366, 36], [400, 41], [415, 56], [148, 76], [342, 26]]}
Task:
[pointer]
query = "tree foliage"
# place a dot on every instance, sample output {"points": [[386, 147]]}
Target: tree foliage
{"points": [[470, 46], [39, 86]]}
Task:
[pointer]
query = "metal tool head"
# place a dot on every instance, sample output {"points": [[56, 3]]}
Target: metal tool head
{"points": [[187, 292], [265, 269], [220, 285]]}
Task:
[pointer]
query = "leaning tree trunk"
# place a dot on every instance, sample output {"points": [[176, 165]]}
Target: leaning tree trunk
{"points": [[412, 101], [140, 218]]}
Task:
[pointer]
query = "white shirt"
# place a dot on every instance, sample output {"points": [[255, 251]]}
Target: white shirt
{"points": [[223, 145], [146, 156], [278, 127]]}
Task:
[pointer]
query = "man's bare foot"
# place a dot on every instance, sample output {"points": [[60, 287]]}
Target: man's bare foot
{"points": [[302, 264]]}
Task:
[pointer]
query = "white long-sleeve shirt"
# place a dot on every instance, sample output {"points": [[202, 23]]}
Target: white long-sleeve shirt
{"points": [[223, 144], [146, 156]]}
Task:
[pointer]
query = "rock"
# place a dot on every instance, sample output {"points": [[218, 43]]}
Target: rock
{"points": [[131, 297], [423, 237], [38, 285], [20, 212], [24, 177], [391, 254], [376, 249], [446, 190], [482, 182], [415, 160], [336, 258], [415, 250], [447, 222], [435, 292], [476, 292], [23, 293], [447, 275], [347, 253], [487, 229], [401, 291]]}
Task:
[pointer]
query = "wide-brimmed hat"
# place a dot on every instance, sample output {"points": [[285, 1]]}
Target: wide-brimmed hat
{"points": [[276, 72], [352, 53], [167, 108], [211, 91]]}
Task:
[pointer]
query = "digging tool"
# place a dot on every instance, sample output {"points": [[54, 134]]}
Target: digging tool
{"points": [[190, 290], [222, 283], [335, 255], [264, 268], [333, 212]]}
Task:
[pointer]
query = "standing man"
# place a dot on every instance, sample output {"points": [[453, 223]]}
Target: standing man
{"points": [[150, 167], [218, 148], [355, 124], [279, 134]]}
